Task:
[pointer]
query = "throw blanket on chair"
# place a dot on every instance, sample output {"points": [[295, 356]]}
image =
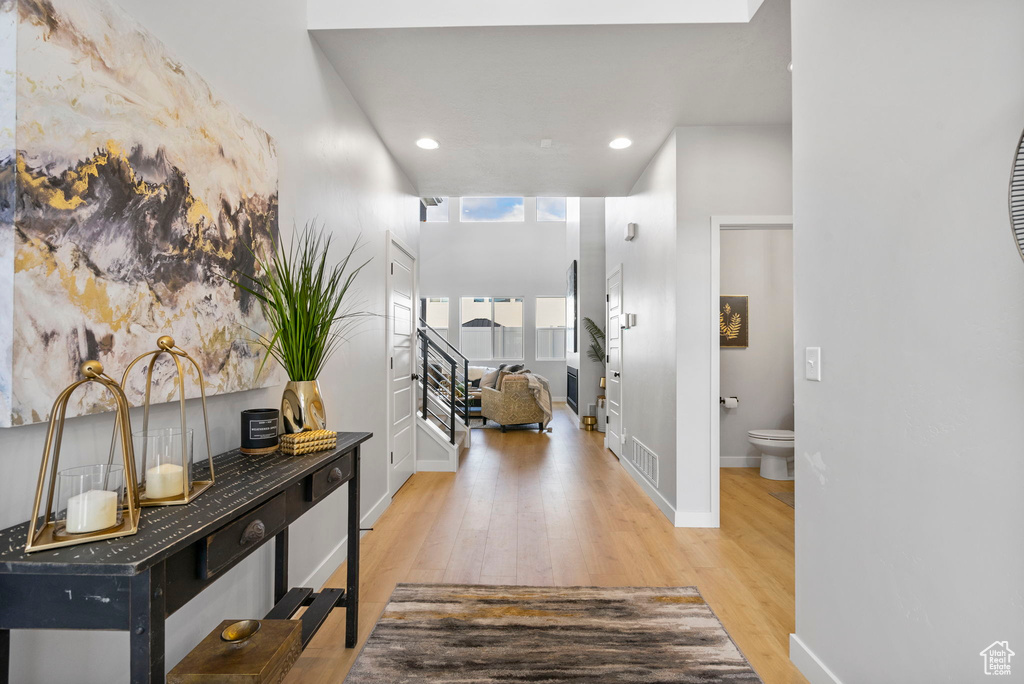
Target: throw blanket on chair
{"points": [[542, 393]]}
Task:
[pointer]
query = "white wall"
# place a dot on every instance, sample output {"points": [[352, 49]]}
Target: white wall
{"points": [[722, 170], [759, 264], [497, 259], [333, 167], [700, 172], [592, 286], [584, 232], [649, 291], [909, 452], [572, 252]]}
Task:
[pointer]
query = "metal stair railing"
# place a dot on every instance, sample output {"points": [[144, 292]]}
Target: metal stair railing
{"points": [[444, 381]]}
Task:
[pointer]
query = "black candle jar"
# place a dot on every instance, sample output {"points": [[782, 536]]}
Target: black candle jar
{"points": [[260, 430]]}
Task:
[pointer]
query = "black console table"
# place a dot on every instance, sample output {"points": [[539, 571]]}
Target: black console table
{"points": [[134, 583]]}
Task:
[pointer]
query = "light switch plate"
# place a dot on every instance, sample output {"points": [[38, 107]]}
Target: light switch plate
{"points": [[812, 363]]}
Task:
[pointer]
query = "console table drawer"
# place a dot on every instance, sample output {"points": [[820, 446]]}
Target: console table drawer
{"points": [[238, 538], [329, 478]]}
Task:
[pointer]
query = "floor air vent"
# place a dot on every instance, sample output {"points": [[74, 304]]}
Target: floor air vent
{"points": [[645, 460]]}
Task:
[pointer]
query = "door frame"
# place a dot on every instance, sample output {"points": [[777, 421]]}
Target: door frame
{"points": [[622, 411], [718, 224], [394, 242]]}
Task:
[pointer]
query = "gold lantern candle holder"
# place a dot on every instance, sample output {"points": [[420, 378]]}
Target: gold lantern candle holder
{"points": [[165, 454], [94, 502]]}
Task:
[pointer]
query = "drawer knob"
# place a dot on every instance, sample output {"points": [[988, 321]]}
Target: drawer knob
{"points": [[254, 532], [334, 476]]}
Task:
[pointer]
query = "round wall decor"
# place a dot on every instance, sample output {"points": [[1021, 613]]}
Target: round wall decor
{"points": [[1017, 197]]}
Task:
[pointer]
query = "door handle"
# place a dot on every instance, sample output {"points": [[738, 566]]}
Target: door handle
{"points": [[415, 376], [615, 374], [254, 532]]}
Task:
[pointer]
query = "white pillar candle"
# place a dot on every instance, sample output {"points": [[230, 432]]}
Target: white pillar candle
{"points": [[163, 481], [94, 510]]}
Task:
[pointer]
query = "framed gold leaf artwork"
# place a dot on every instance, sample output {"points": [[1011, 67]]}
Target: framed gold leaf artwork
{"points": [[734, 321], [128, 191]]}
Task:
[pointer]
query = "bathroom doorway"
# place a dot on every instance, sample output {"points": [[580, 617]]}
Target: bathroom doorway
{"points": [[752, 346]]}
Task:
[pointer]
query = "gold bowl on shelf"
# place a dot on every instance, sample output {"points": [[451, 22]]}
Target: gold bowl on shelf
{"points": [[238, 632]]}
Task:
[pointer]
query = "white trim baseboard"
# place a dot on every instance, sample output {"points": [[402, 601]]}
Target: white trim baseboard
{"points": [[323, 572], [434, 467], [677, 518], [339, 555], [660, 501], [559, 400], [696, 519], [374, 513], [449, 464], [740, 461], [810, 665]]}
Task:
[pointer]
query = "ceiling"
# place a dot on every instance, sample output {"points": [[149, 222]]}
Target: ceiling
{"points": [[489, 95], [348, 14]]}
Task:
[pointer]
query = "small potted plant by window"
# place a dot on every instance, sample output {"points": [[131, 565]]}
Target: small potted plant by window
{"points": [[308, 305]]}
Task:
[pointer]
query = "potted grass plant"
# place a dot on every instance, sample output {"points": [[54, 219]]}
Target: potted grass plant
{"points": [[307, 302], [595, 352]]}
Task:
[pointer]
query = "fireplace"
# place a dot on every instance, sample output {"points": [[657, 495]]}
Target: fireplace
{"points": [[572, 382]]}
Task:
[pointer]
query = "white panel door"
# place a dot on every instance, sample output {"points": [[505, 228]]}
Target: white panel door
{"points": [[613, 371], [401, 352]]}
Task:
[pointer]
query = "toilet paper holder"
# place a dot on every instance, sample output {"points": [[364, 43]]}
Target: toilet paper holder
{"points": [[721, 400]]}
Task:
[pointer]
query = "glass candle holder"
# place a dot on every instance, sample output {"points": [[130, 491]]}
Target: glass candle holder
{"points": [[89, 499], [165, 463]]}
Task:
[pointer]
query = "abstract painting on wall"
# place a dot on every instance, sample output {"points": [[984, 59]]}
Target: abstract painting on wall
{"points": [[734, 321], [127, 191]]}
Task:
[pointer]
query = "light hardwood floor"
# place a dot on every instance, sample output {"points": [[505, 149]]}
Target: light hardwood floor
{"points": [[558, 509]]}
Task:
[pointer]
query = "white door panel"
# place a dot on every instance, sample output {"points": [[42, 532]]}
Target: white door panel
{"points": [[403, 360], [613, 370], [402, 315], [403, 447], [401, 341], [402, 408]]}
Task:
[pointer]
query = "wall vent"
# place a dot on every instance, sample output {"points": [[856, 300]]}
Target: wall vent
{"points": [[645, 460]]}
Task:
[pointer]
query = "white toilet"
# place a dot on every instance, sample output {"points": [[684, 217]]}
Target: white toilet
{"points": [[776, 448]]}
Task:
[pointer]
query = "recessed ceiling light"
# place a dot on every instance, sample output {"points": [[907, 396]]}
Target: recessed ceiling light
{"points": [[620, 143], [427, 144]]}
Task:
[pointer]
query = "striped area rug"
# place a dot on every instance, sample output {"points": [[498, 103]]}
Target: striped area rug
{"points": [[471, 633]]}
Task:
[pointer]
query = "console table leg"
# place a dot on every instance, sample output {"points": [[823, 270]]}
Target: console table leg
{"points": [[352, 593], [280, 565], [147, 614], [5, 656]]}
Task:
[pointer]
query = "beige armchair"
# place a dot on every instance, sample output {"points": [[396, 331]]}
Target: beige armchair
{"points": [[513, 404]]}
